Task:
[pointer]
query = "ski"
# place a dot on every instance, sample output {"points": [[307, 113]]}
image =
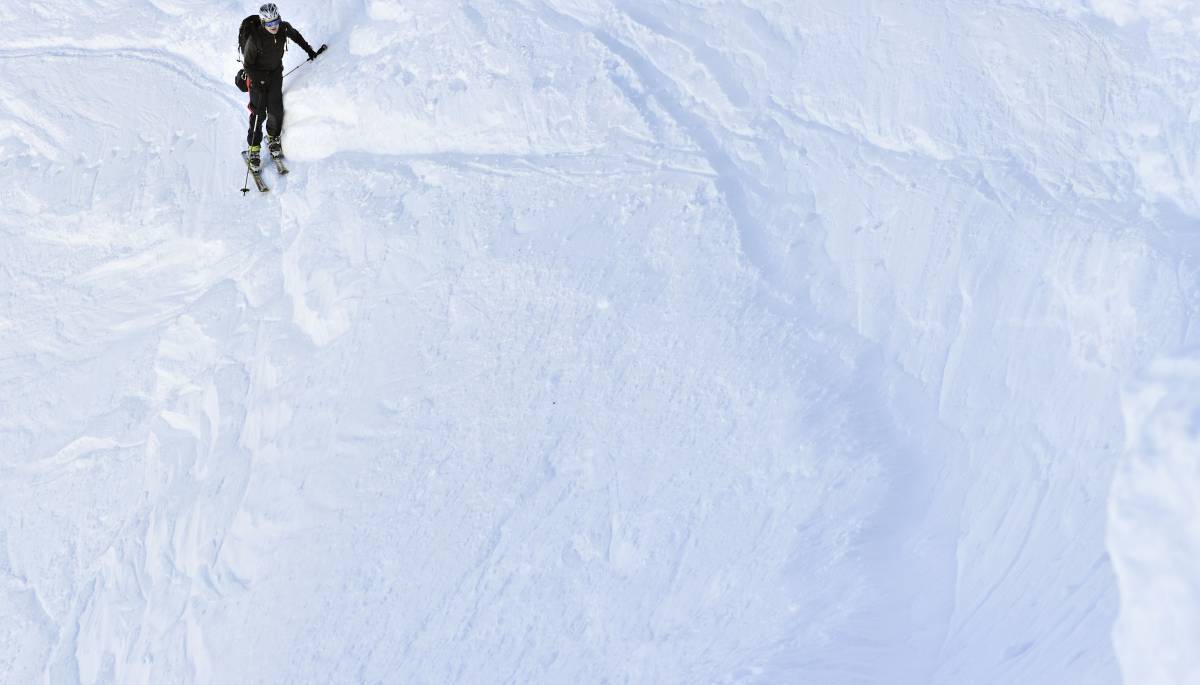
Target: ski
{"points": [[280, 167], [262, 187]]}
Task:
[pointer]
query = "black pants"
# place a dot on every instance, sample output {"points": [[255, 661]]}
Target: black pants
{"points": [[266, 104]]}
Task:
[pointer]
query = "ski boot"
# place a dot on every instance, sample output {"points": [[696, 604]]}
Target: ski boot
{"points": [[253, 158], [275, 146]]}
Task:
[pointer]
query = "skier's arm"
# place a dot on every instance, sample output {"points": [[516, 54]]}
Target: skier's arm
{"points": [[250, 55], [299, 40]]}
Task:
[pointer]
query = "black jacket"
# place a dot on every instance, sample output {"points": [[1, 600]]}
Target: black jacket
{"points": [[263, 52]]}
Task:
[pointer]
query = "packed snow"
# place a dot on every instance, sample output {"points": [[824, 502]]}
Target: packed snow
{"points": [[1154, 525], [629, 341]]}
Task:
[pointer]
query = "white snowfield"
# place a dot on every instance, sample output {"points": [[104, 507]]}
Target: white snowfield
{"points": [[603, 341], [1154, 526]]}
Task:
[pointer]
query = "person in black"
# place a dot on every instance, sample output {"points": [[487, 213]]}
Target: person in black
{"points": [[262, 58]]}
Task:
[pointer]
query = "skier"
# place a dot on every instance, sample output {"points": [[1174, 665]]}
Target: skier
{"points": [[263, 40]]}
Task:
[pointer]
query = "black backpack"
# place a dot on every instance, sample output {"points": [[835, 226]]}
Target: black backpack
{"points": [[248, 24]]}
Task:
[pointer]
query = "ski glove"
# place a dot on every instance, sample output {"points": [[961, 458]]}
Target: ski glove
{"points": [[313, 55]]}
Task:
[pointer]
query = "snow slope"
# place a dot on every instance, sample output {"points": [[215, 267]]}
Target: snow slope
{"points": [[594, 340], [1154, 525]]}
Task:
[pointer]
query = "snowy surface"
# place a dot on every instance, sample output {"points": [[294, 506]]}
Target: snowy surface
{"points": [[646, 341], [1154, 526]]}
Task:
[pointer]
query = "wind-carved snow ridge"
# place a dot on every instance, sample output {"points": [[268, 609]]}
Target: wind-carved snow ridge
{"points": [[599, 341]]}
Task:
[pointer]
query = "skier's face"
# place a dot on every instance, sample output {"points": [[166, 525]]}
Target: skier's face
{"points": [[272, 26]]}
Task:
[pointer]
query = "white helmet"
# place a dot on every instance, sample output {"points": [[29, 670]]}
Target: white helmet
{"points": [[268, 12]]}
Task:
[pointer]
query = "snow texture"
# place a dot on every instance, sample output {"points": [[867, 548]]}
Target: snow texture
{"points": [[627, 341], [1154, 525]]}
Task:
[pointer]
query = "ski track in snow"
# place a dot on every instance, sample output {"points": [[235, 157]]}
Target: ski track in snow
{"points": [[586, 341]]}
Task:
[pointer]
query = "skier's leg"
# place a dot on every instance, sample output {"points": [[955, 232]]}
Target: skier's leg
{"points": [[274, 105], [258, 106]]}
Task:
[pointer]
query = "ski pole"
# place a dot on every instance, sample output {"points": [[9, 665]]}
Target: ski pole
{"points": [[321, 49], [297, 67], [246, 181]]}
